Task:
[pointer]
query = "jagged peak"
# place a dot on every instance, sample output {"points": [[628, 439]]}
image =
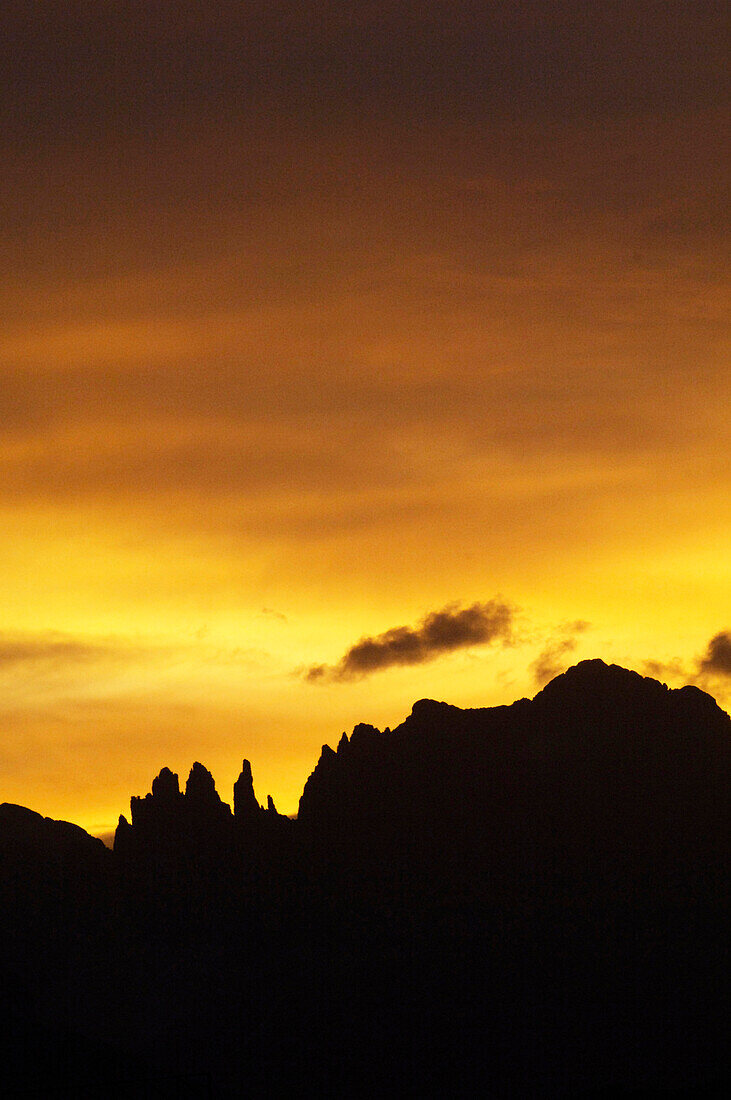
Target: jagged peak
{"points": [[201, 786], [363, 733], [166, 785], [246, 774], [427, 710], [594, 677], [428, 705], [245, 803], [596, 672], [122, 834]]}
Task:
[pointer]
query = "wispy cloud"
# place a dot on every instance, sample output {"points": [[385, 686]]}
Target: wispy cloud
{"points": [[439, 632], [50, 647], [272, 614], [551, 660], [674, 669], [710, 671]]}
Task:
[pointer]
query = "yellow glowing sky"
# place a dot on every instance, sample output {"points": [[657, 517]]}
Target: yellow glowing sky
{"points": [[294, 365]]}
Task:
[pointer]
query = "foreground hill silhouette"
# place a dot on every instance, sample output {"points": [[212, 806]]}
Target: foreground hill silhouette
{"points": [[521, 900]]}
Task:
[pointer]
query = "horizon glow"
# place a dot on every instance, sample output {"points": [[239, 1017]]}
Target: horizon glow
{"points": [[306, 353]]}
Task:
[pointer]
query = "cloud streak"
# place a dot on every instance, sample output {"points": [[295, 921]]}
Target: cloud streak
{"points": [[17, 650], [54, 653], [439, 632]]}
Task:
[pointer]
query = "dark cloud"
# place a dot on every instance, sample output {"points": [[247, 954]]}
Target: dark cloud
{"points": [[717, 658], [551, 661], [138, 64], [439, 632]]}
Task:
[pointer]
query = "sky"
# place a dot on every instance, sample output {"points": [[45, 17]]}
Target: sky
{"points": [[349, 355]]}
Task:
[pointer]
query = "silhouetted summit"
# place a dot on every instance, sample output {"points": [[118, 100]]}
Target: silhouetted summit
{"points": [[246, 808], [604, 768], [524, 899], [166, 787], [27, 836]]}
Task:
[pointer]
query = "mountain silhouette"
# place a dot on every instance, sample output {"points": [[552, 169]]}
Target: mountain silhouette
{"points": [[603, 771], [517, 900]]}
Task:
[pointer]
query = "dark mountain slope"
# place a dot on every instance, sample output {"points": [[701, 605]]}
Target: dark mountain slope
{"points": [[48, 869], [525, 900], [603, 771], [569, 854]]}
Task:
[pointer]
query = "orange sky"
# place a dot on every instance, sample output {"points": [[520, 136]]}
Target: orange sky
{"points": [[313, 327]]}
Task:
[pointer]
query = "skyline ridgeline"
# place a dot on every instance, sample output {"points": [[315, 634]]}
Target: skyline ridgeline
{"points": [[474, 902]]}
